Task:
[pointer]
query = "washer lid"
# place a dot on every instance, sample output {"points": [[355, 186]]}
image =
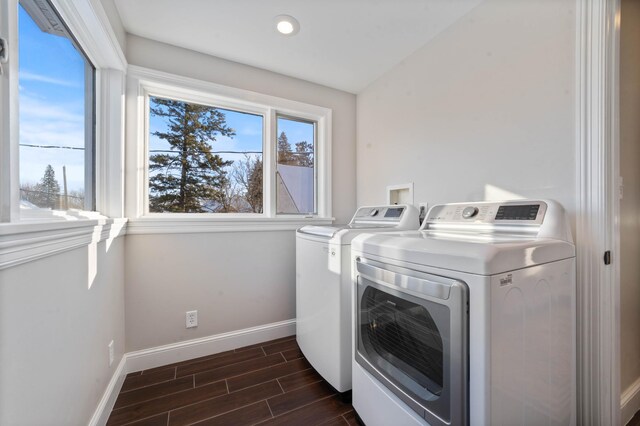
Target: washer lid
{"points": [[478, 254], [322, 231]]}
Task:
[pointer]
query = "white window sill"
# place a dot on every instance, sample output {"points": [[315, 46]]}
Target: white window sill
{"points": [[205, 223], [38, 237]]}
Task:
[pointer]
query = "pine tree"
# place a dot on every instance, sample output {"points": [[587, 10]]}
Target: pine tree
{"points": [[190, 178], [303, 155], [48, 190], [285, 155]]}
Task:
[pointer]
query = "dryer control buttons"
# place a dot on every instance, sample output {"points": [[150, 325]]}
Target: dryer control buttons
{"points": [[469, 212]]}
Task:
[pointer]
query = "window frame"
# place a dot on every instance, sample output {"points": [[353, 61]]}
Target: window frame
{"points": [[315, 157], [43, 232], [94, 36], [143, 82], [90, 122]]}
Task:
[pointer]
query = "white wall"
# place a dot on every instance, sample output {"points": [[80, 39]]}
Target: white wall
{"points": [[484, 111], [630, 203], [234, 280], [55, 326]]}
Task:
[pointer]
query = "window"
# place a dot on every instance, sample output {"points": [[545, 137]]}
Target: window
{"points": [[56, 119], [295, 172], [203, 159], [223, 153]]}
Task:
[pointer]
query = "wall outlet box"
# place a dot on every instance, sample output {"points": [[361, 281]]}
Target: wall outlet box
{"points": [[192, 319], [400, 194], [111, 355]]}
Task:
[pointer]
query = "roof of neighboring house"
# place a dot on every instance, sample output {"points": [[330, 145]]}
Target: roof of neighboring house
{"points": [[295, 189]]}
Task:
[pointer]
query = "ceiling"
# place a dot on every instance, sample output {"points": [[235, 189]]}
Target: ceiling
{"points": [[344, 44]]}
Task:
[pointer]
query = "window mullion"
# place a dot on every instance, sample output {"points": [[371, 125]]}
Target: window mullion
{"points": [[269, 162], [9, 144]]}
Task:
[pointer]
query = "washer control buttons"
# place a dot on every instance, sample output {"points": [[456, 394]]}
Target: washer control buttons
{"points": [[469, 212]]}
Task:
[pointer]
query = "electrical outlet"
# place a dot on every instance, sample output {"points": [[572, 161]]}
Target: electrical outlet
{"points": [[111, 356], [192, 319]]}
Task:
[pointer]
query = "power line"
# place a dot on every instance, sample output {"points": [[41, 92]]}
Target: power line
{"points": [[212, 152], [51, 146], [232, 152]]}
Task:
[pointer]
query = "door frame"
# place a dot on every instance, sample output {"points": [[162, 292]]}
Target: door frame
{"points": [[597, 212]]}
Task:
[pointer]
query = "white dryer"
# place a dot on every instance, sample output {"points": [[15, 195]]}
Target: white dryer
{"points": [[323, 287], [470, 320]]}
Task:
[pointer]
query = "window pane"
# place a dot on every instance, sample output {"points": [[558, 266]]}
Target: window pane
{"points": [[56, 83], [295, 174], [204, 159]]}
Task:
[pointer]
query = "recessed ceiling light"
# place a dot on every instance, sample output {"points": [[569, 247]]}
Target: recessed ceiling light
{"points": [[287, 25]]}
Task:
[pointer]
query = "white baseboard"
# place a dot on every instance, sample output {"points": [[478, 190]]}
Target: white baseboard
{"points": [[182, 351], [108, 400], [630, 402]]}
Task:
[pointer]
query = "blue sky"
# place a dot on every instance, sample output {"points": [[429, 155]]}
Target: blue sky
{"points": [[51, 80], [248, 137], [248, 134]]}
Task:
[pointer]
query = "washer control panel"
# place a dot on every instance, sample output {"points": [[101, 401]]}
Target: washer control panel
{"points": [[396, 216], [488, 213], [379, 214]]}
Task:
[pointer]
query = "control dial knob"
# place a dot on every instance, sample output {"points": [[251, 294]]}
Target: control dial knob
{"points": [[469, 212], [374, 212]]}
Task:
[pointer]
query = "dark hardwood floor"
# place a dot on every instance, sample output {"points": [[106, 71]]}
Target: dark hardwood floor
{"points": [[268, 384]]}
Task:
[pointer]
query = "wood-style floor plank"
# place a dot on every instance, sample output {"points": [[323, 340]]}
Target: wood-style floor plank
{"points": [[265, 374], [159, 420], [223, 404], [269, 382], [299, 379], [270, 342], [292, 354], [238, 369], [336, 421], [154, 391], [142, 380], [297, 398], [244, 416], [217, 362], [287, 345], [166, 403], [350, 417], [186, 362], [312, 414]]}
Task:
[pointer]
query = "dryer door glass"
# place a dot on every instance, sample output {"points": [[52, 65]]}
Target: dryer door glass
{"points": [[403, 338]]}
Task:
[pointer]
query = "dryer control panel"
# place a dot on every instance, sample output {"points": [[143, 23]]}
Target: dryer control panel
{"points": [[538, 218], [526, 212]]}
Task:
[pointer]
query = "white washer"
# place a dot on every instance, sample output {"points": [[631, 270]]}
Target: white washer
{"points": [[470, 320], [323, 287]]}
